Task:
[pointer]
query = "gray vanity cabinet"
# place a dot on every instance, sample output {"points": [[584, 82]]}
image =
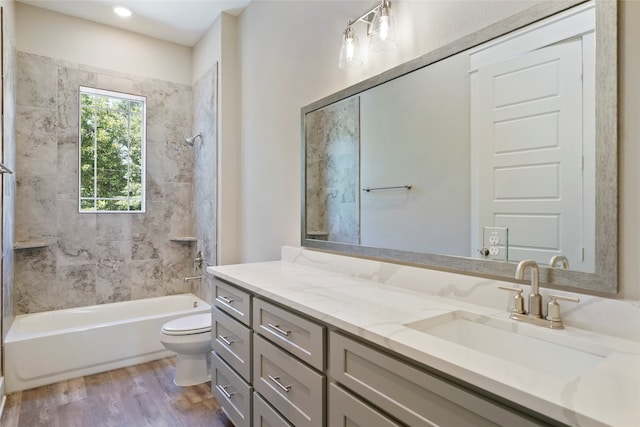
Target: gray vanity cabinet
{"points": [[346, 410], [414, 396], [231, 341], [272, 367], [288, 363]]}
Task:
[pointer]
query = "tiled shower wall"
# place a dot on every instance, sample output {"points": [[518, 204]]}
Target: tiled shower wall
{"points": [[9, 183], [97, 258], [205, 109]]}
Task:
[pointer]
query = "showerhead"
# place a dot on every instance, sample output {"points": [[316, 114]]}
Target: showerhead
{"points": [[192, 140]]}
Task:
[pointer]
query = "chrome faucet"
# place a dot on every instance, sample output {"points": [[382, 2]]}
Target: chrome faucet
{"points": [[535, 299], [553, 319]]}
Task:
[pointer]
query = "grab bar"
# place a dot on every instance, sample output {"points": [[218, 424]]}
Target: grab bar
{"points": [[368, 189]]}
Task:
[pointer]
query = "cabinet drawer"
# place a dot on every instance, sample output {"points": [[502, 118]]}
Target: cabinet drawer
{"points": [[294, 389], [265, 416], [232, 341], [233, 394], [345, 410], [297, 335], [414, 396], [233, 301]]}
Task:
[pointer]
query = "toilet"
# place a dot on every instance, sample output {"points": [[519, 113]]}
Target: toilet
{"points": [[190, 338]]}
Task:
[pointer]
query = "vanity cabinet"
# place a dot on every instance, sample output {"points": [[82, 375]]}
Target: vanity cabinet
{"points": [[272, 366], [413, 395], [231, 341]]}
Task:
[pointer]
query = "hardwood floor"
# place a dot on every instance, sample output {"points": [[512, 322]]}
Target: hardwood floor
{"points": [[141, 395]]}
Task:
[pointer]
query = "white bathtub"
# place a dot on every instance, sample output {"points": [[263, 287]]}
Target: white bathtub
{"points": [[44, 348]]}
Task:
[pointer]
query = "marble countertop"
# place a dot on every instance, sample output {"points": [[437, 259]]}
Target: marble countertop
{"points": [[607, 393]]}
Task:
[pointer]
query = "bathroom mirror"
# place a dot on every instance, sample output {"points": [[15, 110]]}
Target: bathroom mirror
{"points": [[415, 166]]}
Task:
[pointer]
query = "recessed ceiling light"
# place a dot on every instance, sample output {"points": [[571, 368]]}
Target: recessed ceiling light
{"points": [[125, 12]]}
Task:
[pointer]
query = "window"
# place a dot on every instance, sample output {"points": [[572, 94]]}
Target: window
{"points": [[112, 151]]}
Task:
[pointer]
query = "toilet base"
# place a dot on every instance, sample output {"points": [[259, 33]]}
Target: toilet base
{"points": [[191, 369]]}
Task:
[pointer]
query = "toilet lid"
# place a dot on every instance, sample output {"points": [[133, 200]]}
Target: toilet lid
{"points": [[189, 325]]}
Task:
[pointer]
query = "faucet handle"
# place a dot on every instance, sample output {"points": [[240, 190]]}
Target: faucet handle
{"points": [[518, 300], [553, 308]]}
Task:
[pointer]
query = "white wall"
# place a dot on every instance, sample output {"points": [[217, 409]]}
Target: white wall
{"points": [[289, 58], [46, 33], [289, 54], [220, 44]]}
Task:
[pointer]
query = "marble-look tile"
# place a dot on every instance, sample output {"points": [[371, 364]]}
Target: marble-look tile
{"points": [[36, 141], [155, 168], [75, 286], [67, 168], [178, 105], [98, 258], [36, 81], [113, 227], [35, 201], [113, 271], [179, 208], [333, 185], [146, 279], [149, 233], [35, 274], [115, 83], [178, 264], [69, 82], [178, 156], [154, 91], [206, 229]]}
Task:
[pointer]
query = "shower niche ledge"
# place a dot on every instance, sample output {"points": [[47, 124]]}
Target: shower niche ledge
{"points": [[183, 239], [30, 244]]}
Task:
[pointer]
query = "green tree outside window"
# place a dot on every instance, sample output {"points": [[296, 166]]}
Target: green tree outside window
{"points": [[112, 146]]}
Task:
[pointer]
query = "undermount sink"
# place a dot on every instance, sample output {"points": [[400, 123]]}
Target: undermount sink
{"points": [[532, 346]]}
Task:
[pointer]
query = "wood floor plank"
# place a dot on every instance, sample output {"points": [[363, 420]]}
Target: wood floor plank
{"points": [[136, 396]]}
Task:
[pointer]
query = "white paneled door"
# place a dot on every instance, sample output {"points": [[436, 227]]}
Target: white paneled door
{"points": [[529, 113]]}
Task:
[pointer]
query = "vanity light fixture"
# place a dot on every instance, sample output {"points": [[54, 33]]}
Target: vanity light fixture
{"points": [[349, 50], [381, 32], [122, 11]]}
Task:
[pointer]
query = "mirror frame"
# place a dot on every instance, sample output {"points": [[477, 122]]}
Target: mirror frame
{"points": [[605, 277]]}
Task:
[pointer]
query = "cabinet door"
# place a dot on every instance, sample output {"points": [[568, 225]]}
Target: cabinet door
{"points": [[233, 301], [290, 386], [299, 336], [232, 341], [230, 390], [345, 410], [412, 395]]}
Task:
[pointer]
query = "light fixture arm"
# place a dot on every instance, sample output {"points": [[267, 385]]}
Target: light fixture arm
{"points": [[368, 17]]}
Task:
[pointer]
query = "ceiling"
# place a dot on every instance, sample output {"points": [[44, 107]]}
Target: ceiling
{"points": [[178, 21]]}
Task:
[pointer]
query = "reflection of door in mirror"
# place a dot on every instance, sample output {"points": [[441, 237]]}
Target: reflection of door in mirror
{"points": [[333, 172], [531, 132]]}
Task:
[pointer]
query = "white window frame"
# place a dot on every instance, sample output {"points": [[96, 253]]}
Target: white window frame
{"points": [[83, 90]]}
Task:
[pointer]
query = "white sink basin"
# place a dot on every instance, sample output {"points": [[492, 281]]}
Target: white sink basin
{"points": [[534, 347]]}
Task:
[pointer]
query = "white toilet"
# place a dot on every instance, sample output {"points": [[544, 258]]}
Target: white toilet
{"points": [[190, 338]]}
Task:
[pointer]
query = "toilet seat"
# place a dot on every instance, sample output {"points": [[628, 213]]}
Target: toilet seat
{"points": [[190, 325]]}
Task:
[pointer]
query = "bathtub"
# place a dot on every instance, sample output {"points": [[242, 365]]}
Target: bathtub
{"points": [[44, 348]]}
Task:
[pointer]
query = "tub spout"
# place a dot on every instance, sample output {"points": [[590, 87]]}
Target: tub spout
{"points": [[186, 279]]}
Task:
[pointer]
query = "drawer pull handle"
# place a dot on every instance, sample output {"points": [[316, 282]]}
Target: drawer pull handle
{"points": [[279, 330], [223, 390], [224, 299], [285, 388], [225, 340]]}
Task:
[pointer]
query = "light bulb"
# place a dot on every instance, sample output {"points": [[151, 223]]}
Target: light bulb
{"points": [[384, 27], [350, 50]]}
